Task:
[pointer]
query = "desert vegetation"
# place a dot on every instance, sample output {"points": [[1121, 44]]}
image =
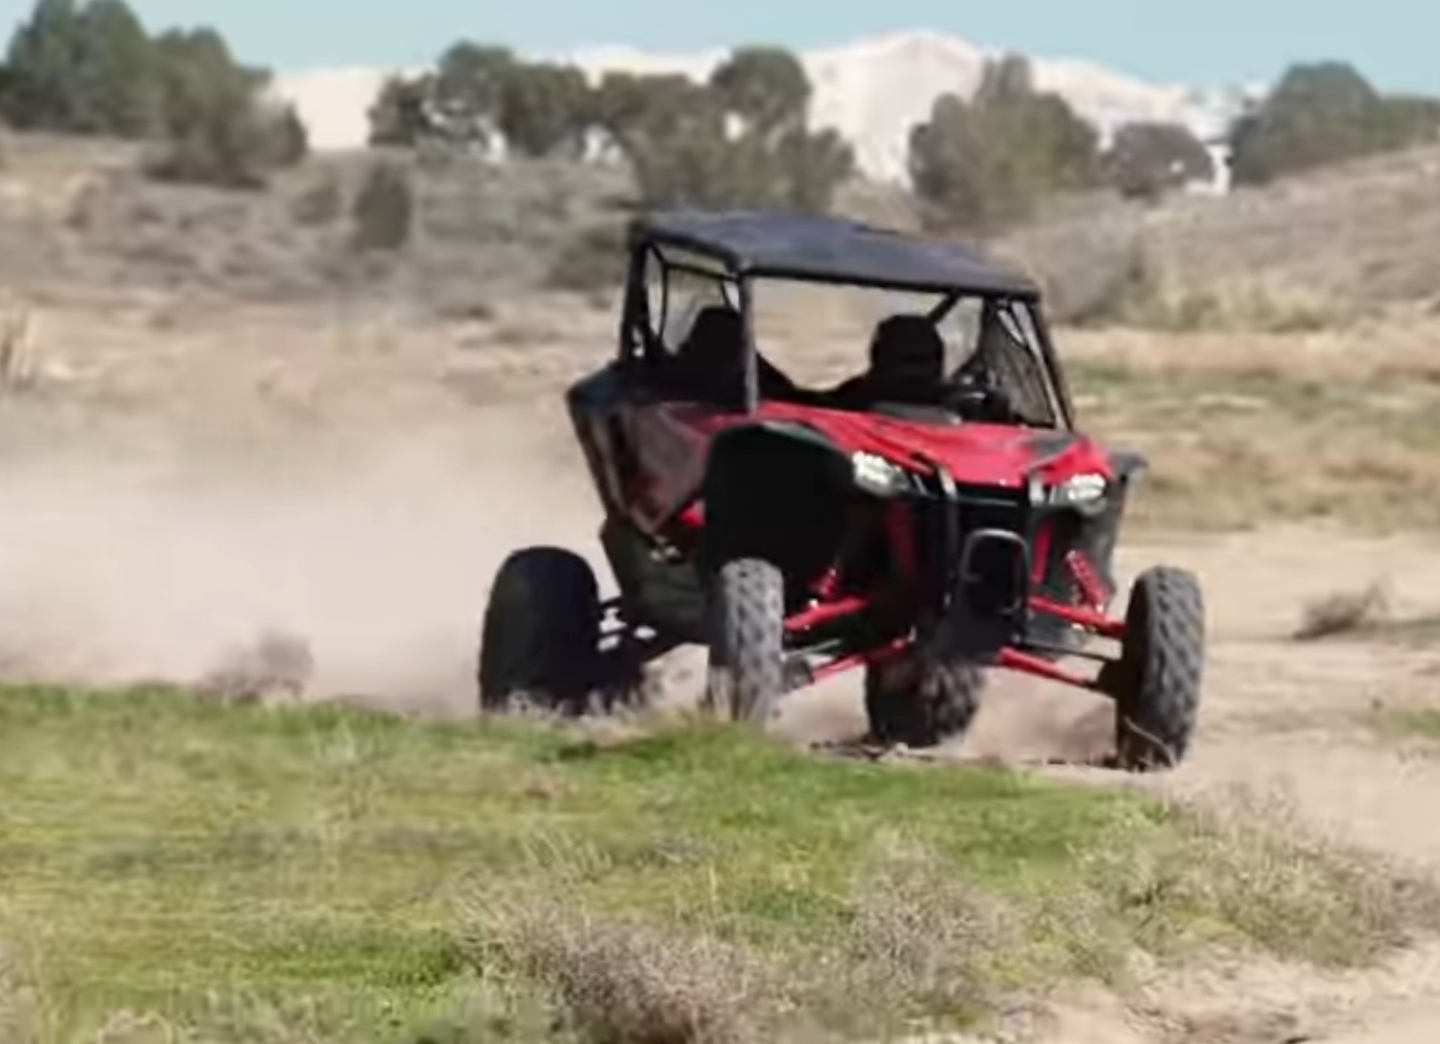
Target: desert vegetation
{"points": [[93, 68]]}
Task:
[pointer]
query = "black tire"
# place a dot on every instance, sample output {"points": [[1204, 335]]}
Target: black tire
{"points": [[541, 634], [920, 702], [746, 676], [1156, 682]]}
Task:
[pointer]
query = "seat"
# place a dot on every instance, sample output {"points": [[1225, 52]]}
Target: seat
{"points": [[710, 361]]}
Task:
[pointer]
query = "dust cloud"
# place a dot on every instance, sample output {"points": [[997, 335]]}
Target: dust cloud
{"points": [[360, 560]]}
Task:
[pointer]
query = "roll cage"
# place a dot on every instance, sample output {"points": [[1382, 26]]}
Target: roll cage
{"points": [[657, 249]]}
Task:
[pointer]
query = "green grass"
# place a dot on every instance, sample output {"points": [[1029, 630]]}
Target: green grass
{"points": [[1231, 448], [245, 873], [1422, 723]]}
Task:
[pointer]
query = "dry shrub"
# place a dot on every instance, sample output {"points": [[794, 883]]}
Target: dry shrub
{"points": [[627, 982], [19, 1004], [925, 939], [1343, 612], [924, 954], [1245, 868], [17, 346]]}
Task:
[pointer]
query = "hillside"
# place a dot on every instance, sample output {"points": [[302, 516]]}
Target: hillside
{"points": [[1334, 246], [871, 91]]}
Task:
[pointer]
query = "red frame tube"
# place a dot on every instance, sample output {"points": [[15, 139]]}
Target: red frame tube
{"points": [[1025, 663], [884, 654], [1104, 626], [1091, 588], [826, 612]]}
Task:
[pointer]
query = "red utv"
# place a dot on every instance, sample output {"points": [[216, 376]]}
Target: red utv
{"points": [[930, 518]]}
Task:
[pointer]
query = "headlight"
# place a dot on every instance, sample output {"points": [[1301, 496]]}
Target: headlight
{"points": [[875, 474], [1083, 492]]}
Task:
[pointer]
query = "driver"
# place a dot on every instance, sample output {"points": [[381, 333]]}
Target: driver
{"points": [[907, 366]]}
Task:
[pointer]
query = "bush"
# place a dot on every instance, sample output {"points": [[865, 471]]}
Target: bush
{"points": [[320, 202], [384, 209], [1323, 114], [980, 165], [1146, 160], [94, 69]]}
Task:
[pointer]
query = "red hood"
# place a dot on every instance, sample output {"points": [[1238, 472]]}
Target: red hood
{"points": [[984, 454]]}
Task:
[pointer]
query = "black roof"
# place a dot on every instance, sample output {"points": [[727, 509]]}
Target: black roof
{"points": [[795, 246]]}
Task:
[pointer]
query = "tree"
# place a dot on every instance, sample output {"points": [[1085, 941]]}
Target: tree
{"points": [[384, 209], [1009, 78], [1145, 160], [1320, 114], [678, 137], [981, 164], [115, 77], [216, 127], [947, 165], [400, 114], [671, 132], [469, 89], [287, 140], [42, 61], [817, 163], [543, 108], [766, 87]]}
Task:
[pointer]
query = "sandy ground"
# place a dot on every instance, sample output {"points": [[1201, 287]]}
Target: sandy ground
{"points": [[165, 542]]}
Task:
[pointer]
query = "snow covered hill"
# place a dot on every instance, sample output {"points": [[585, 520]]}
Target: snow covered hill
{"points": [[872, 91]]}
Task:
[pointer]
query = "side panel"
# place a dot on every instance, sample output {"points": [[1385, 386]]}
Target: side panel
{"points": [[595, 404], [647, 461]]}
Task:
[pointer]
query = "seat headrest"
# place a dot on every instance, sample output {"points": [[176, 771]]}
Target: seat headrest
{"points": [[714, 327]]}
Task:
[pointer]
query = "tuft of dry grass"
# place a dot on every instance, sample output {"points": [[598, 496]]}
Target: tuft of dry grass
{"points": [[622, 981], [925, 933], [19, 1003], [18, 363], [1343, 612], [1244, 872]]}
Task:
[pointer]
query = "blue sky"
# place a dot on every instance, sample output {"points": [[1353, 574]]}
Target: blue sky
{"points": [[1393, 42]]}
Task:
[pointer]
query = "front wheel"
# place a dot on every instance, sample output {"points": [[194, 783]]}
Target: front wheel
{"points": [[746, 674], [1156, 682]]}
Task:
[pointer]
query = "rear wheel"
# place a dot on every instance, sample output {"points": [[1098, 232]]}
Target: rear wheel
{"points": [[747, 640], [921, 702], [541, 634], [1156, 682]]}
